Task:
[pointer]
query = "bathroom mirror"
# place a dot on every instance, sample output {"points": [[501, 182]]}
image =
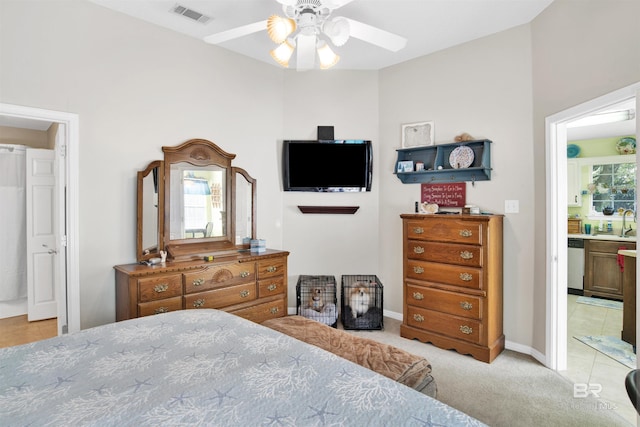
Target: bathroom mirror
{"points": [[150, 214]]}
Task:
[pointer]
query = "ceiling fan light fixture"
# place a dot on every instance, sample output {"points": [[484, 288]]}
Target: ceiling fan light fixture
{"points": [[337, 30], [327, 57], [280, 28], [283, 53]]}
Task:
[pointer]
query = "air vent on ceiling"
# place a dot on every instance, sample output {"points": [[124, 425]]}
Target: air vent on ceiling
{"points": [[190, 13]]}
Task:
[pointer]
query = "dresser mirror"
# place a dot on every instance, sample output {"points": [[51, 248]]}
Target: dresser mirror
{"points": [[150, 211], [245, 203], [204, 204]]}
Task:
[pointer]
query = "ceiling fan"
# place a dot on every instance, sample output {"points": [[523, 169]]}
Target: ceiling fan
{"points": [[304, 28]]}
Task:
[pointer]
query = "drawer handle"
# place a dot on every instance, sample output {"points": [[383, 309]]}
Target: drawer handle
{"points": [[199, 302], [418, 230], [161, 288], [466, 277], [418, 249], [466, 233], [272, 269], [418, 270], [272, 287], [244, 274], [466, 255], [274, 310], [418, 318], [466, 305], [466, 330], [245, 293], [161, 310], [418, 296], [198, 282]]}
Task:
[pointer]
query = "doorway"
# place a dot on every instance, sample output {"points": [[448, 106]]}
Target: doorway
{"points": [[557, 260], [68, 306]]}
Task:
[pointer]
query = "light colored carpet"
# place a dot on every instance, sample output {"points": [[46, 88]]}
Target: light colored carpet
{"points": [[600, 302], [514, 390], [615, 348]]}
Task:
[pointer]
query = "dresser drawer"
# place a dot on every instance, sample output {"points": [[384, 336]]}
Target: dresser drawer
{"points": [[160, 306], [445, 324], [466, 277], [269, 287], [218, 298], [271, 267], [159, 287], [261, 312], [444, 301], [216, 276], [449, 253], [445, 230]]}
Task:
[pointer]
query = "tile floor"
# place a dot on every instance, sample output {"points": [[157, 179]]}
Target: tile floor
{"points": [[589, 366]]}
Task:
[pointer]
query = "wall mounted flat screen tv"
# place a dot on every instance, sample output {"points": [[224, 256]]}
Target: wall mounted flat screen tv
{"points": [[327, 166]]}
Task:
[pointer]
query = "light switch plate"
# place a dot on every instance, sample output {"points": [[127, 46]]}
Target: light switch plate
{"points": [[511, 206]]}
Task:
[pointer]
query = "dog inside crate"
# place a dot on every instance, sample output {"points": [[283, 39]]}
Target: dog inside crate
{"points": [[317, 300], [361, 302]]}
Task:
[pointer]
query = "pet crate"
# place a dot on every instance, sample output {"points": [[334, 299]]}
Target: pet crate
{"points": [[361, 306], [317, 299]]}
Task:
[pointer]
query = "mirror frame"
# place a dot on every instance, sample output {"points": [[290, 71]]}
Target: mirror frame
{"points": [[198, 152], [141, 255]]}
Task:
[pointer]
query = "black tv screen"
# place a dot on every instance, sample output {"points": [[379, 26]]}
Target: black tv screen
{"points": [[327, 166]]}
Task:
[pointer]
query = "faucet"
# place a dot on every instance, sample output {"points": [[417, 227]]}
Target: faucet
{"points": [[625, 230]]}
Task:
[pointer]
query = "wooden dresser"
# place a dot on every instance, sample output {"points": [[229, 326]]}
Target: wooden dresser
{"points": [[452, 268], [251, 285]]}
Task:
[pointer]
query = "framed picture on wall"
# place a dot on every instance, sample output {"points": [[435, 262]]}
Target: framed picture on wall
{"points": [[417, 134]]}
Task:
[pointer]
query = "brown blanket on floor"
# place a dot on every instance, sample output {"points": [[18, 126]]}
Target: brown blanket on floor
{"points": [[392, 362]]}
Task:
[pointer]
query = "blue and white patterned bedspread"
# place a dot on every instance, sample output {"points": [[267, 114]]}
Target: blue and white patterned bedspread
{"points": [[200, 367]]}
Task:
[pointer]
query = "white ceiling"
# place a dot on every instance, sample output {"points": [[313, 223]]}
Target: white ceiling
{"points": [[429, 25]]}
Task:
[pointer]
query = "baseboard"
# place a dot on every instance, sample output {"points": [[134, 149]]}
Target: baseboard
{"points": [[524, 349]]}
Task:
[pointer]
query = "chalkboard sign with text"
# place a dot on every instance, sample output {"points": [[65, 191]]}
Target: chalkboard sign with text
{"points": [[452, 195]]}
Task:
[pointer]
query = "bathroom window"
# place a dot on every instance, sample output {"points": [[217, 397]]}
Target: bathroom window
{"points": [[613, 185]]}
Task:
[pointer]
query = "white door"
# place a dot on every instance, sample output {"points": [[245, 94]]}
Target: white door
{"points": [[41, 235]]}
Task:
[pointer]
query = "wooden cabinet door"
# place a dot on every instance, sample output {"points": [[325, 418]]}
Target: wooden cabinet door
{"points": [[603, 275]]}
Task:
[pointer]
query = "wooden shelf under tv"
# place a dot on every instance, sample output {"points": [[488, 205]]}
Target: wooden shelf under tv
{"points": [[328, 209]]}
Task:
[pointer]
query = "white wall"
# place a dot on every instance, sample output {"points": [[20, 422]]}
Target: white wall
{"points": [[483, 88], [329, 244], [581, 50], [136, 88]]}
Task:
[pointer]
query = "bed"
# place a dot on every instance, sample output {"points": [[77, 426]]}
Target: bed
{"points": [[200, 367]]}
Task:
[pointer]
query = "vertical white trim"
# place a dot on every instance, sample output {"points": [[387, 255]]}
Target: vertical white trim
{"points": [[556, 234], [71, 179]]}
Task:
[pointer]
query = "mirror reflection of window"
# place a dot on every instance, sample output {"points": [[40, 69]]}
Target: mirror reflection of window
{"points": [[197, 201]]}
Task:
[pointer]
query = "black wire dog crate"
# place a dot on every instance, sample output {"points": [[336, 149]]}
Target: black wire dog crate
{"points": [[361, 302], [317, 299]]}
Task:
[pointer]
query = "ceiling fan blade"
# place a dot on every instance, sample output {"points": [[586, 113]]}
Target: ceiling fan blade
{"points": [[237, 32], [334, 4], [306, 52], [376, 36]]}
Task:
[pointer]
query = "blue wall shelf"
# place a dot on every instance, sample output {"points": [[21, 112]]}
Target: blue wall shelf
{"points": [[435, 156]]}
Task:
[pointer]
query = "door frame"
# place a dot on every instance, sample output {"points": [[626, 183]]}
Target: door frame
{"points": [[556, 218], [67, 158]]}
